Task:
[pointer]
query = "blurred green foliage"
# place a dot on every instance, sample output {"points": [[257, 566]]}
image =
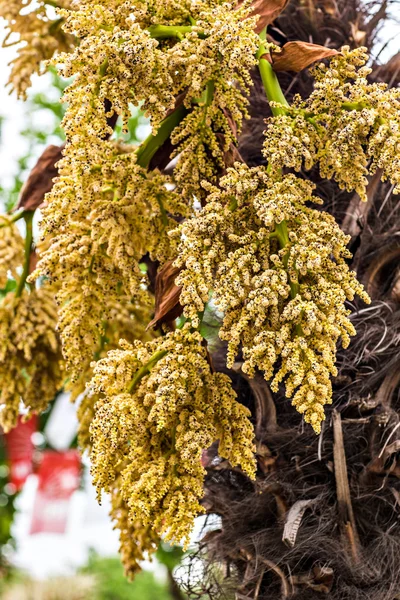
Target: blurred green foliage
{"points": [[169, 556], [111, 584]]}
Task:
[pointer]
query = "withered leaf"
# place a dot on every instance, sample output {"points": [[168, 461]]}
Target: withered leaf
{"points": [[320, 579], [296, 56], [40, 179], [167, 296], [382, 270], [268, 11], [358, 34]]}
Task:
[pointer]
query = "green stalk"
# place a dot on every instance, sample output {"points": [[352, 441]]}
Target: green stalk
{"points": [[152, 143], [28, 218], [163, 212], [162, 32], [271, 84], [145, 369], [16, 217], [274, 93], [207, 99]]}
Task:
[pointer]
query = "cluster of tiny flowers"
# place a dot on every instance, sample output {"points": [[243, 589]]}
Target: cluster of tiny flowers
{"points": [[11, 250], [120, 61], [102, 218], [347, 125], [40, 35], [126, 320], [212, 64], [105, 212], [116, 60], [159, 407], [137, 541], [277, 271], [30, 358], [165, 12]]}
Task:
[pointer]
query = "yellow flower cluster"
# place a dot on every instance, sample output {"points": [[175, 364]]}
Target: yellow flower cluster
{"points": [[347, 125], [127, 320], [160, 406], [165, 12], [40, 35], [118, 59], [277, 270], [137, 541], [30, 358], [212, 64], [105, 212], [11, 249], [117, 212]]}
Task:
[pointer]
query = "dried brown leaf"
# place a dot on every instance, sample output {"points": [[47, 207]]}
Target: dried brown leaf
{"points": [[268, 11], [320, 579], [296, 56], [358, 34], [40, 180], [167, 295], [385, 393], [347, 520]]}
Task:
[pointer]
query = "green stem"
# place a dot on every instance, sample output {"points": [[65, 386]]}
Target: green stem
{"points": [[209, 93], [163, 212], [172, 450], [271, 84], [103, 67], [207, 99], [152, 143], [353, 106], [162, 32], [16, 217], [274, 93], [102, 71], [28, 217], [145, 369]]}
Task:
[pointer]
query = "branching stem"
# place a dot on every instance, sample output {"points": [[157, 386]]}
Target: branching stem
{"points": [[16, 217], [28, 218], [152, 143], [145, 369]]}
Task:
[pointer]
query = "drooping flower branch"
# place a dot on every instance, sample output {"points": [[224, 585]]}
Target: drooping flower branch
{"points": [[276, 267]]}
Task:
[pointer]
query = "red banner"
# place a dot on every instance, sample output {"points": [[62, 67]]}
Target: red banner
{"points": [[59, 477], [19, 448]]}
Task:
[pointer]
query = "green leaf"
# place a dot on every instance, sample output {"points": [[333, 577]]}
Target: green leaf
{"points": [[210, 326], [10, 287], [170, 556]]}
